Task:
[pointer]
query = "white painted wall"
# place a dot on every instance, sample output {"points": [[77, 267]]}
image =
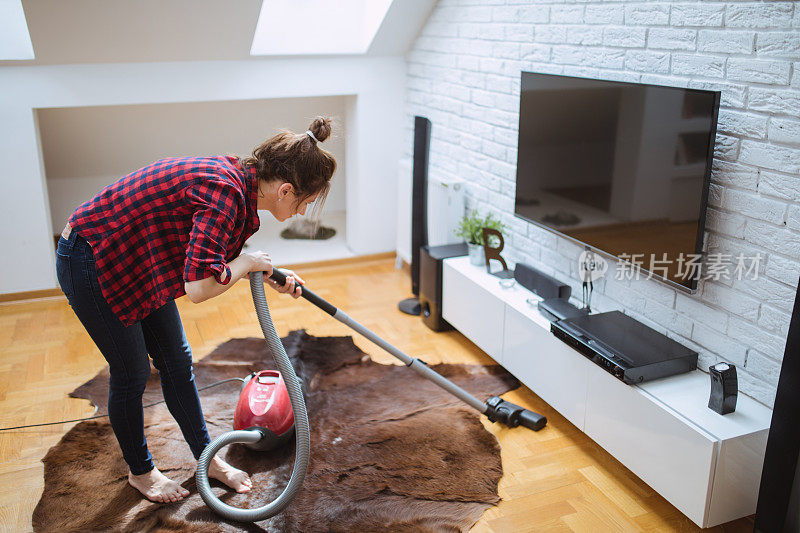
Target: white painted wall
{"points": [[374, 88], [464, 74], [87, 148]]}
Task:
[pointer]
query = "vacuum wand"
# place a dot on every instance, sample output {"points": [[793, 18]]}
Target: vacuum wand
{"points": [[495, 408]]}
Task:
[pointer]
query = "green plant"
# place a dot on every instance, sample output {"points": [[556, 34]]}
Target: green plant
{"points": [[470, 228]]}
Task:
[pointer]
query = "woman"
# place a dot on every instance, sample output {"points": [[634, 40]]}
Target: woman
{"points": [[172, 228]]}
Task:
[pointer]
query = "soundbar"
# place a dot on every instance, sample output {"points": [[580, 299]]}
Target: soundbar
{"points": [[540, 283]]}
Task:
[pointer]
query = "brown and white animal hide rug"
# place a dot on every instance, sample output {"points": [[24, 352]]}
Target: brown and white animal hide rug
{"points": [[391, 451]]}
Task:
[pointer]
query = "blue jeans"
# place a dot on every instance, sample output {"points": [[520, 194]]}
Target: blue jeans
{"points": [[126, 348]]}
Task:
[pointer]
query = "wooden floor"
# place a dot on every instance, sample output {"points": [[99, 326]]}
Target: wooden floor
{"points": [[555, 480]]}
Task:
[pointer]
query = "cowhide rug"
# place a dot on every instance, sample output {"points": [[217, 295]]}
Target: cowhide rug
{"points": [[390, 450]]}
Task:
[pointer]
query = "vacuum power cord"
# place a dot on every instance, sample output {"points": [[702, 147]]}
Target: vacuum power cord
{"points": [[105, 415]]}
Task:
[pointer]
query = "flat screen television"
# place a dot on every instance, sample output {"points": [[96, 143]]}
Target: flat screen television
{"points": [[622, 168]]}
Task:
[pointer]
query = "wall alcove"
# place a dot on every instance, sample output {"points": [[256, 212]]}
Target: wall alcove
{"points": [[83, 149]]}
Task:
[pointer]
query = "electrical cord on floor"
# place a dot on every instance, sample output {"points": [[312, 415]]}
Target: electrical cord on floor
{"points": [[105, 415]]}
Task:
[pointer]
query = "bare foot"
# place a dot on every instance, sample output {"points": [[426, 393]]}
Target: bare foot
{"points": [[233, 477], [157, 487]]}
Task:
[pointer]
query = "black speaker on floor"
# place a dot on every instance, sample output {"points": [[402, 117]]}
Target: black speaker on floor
{"points": [[779, 494], [430, 282], [419, 209]]}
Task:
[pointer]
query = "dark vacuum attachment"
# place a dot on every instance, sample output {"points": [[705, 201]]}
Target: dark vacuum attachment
{"points": [[512, 414]]}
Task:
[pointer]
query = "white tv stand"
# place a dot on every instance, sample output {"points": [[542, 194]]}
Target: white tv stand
{"points": [[705, 464]]}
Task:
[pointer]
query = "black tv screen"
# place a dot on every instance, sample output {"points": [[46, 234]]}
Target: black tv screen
{"points": [[621, 167]]}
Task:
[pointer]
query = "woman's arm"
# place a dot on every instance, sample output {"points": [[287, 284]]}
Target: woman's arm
{"points": [[203, 289]]}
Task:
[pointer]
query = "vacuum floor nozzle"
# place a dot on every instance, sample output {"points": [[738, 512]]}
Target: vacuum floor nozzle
{"points": [[513, 415]]}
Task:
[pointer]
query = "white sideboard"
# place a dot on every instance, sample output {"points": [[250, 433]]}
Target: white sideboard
{"points": [[705, 464]]}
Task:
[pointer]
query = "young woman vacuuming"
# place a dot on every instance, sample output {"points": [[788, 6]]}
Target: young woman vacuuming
{"points": [[172, 228]]}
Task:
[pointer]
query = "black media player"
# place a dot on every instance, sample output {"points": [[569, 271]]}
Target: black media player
{"points": [[624, 347]]}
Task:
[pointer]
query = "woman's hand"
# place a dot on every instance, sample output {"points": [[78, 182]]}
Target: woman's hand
{"points": [[202, 289], [259, 262], [293, 283]]}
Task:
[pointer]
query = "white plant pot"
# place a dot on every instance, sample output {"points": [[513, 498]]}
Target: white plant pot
{"points": [[476, 256]]}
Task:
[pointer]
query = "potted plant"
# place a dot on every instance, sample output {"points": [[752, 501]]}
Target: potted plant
{"points": [[470, 228]]}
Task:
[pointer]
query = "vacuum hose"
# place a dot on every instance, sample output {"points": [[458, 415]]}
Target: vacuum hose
{"points": [[252, 436]]}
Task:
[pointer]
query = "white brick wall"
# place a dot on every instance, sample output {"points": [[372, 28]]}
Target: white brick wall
{"points": [[464, 74]]}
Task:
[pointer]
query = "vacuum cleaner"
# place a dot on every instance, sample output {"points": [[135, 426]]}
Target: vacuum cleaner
{"points": [[271, 407]]}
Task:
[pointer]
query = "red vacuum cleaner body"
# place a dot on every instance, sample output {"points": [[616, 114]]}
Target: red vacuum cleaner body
{"points": [[264, 405]]}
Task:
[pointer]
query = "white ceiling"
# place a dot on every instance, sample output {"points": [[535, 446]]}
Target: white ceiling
{"points": [[112, 31]]}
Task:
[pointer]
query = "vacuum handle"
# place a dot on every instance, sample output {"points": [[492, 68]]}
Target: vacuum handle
{"points": [[280, 278]]}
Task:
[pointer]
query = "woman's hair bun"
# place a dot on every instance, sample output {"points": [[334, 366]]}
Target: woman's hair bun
{"points": [[321, 128]]}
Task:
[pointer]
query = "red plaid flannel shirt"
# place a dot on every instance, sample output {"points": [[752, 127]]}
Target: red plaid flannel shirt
{"points": [[177, 220]]}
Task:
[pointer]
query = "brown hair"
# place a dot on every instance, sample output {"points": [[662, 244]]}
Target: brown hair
{"points": [[298, 159]]}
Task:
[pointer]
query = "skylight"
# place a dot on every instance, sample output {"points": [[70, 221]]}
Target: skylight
{"points": [[15, 41], [298, 27]]}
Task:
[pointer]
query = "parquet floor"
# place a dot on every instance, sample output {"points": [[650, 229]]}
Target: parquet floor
{"points": [[555, 480]]}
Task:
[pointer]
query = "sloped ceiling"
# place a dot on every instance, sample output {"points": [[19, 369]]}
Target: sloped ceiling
{"points": [[114, 31], [111, 31]]}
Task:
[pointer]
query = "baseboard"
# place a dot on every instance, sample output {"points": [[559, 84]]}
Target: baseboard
{"points": [[343, 261], [404, 266], [30, 295]]}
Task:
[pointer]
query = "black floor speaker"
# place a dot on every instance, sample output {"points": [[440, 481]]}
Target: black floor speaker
{"points": [[430, 282], [419, 209]]}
